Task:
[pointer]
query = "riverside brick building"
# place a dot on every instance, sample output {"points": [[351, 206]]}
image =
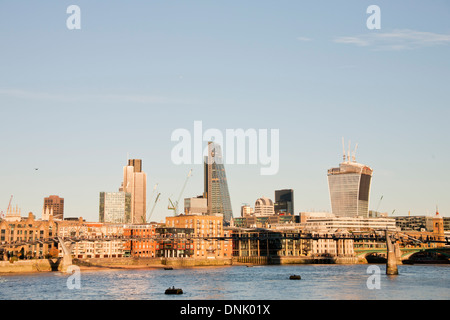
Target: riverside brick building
{"points": [[205, 229], [19, 230]]}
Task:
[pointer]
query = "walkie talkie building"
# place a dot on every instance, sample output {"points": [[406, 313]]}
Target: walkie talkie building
{"points": [[216, 186], [349, 186]]}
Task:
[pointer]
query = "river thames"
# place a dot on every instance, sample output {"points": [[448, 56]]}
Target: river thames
{"points": [[318, 282]]}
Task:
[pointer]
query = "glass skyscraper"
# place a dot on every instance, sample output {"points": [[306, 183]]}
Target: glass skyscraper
{"points": [[350, 189], [216, 185], [284, 201], [115, 207]]}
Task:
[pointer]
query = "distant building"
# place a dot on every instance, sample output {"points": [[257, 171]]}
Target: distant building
{"points": [[284, 201], [332, 224], [216, 185], [376, 214], [414, 223], [115, 207], [420, 223], [305, 216], [267, 221], [247, 210], [198, 205], [12, 214], [55, 205], [135, 183], [264, 207], [349, 186]]}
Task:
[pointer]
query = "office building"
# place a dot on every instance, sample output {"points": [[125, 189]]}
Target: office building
{"points": [[55, 206], [198, 205], [264, 207], [284, 201], [349, 186], [247, 210], [333, 224], [216, 185], [115, 207], [135, 183]]}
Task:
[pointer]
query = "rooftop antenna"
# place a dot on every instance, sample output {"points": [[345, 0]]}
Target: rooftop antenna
{"points": [[348, 154], [354, 153], [343, 149]]}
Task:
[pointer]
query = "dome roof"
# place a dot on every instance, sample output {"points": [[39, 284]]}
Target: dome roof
{"points": [[264, 202]]}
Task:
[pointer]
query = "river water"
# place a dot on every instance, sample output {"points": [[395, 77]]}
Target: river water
{"points": [[319, 282]]}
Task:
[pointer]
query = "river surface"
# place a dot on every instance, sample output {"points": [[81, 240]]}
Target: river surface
{"points": [[319, 282]]}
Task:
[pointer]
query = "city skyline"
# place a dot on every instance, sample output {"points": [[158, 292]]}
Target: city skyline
{"points": [[75, 102]]}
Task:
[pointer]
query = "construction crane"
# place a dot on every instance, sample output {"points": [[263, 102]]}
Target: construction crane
{"points": [[7, 210], [154, 206], [354, 153], [9, 205], [379, 202], [174, 206]]}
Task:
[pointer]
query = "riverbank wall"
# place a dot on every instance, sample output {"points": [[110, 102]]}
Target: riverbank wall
{"points": [[48, 265], [27, 266]]}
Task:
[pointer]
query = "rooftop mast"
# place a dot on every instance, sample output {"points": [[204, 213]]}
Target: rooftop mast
{"points": [[354, 153]]}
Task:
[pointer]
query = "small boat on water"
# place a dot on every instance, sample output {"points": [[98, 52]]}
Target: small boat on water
{"points": [[174, 290], [168, 268], [295, 277]]}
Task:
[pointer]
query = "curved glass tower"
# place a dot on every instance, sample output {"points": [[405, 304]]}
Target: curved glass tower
{"points": [[216, 186], [350, 189]]}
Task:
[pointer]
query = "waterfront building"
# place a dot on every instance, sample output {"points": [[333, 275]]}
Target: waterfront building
{"points": [[135, 183], [115, 207], [204, 228], [174, 242], [94, 239], [260, 245], [53, 205], [264, 207], [25, 229], [215, 184], [284, 202], [349, 187], [325, 245], [198, 205], [257, 243], [144, 244]]}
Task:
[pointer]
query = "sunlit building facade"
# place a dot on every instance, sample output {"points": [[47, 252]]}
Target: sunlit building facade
{"points": [[135, 183], [349, 186], [115, 207], [216, 185]]}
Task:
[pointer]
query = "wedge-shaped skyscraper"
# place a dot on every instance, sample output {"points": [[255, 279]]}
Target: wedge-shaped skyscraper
{"points": [[349, 186], [216, 185]]}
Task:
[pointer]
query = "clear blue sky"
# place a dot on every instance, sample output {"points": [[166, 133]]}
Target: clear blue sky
{"points": [[73, 103]]}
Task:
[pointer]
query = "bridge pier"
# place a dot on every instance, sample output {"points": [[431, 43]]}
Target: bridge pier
{"points": [[391, 262], [67, 254]]}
